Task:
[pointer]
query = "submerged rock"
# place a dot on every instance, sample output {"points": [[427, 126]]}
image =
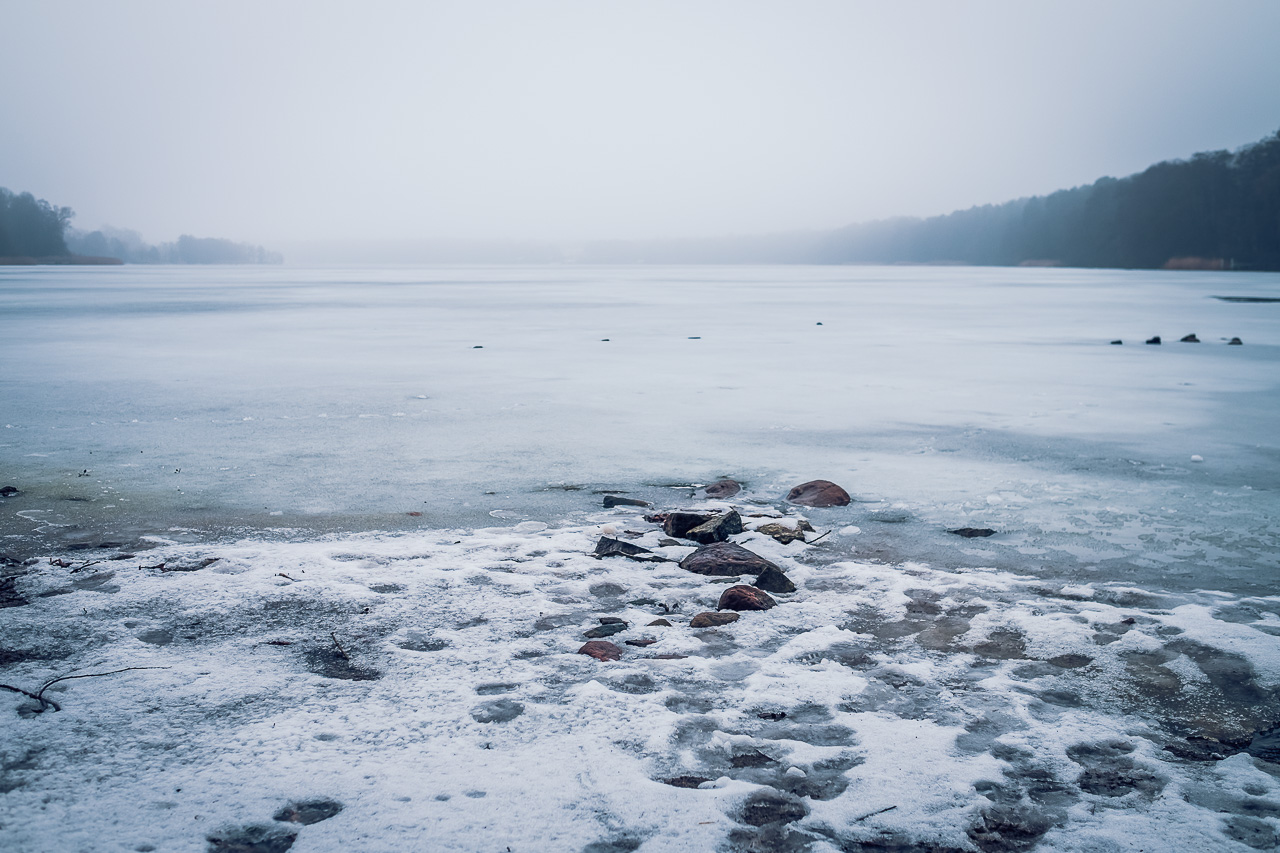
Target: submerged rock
{"points": [[712, 620], [307, 812], [723, 489], [255, 838], [973, 532], [605, 631], [601, 650], [610, 501], [726, 560], [716, 529], [742, 597], [8, 491], [818, 493], [497, 711]]}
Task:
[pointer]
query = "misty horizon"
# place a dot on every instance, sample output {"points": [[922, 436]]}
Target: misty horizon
{"points": [[571, 122]]}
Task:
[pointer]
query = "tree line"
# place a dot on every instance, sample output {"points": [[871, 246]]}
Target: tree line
{"points": [[1216, 210], [32, 229]]}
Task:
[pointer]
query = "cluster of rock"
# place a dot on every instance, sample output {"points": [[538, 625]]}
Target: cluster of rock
{"points": [[1186, 339], [716, 557]]}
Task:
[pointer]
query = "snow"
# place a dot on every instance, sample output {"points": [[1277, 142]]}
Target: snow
{"points": [[462, 625]]}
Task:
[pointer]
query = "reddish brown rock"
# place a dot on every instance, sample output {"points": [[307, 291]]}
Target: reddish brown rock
{"points": [[712, 620], [784, 534], [724, 559], [743, 597], [723, 489], [601, 650], [660, 623], [818, 493]]}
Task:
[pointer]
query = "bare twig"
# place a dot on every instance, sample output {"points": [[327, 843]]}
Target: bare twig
{"points": [[874, 813], [815, 541], [53, 681], [341, 650], [86, 564]]}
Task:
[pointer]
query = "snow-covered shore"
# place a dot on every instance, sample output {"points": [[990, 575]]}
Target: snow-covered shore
{"points": [[428, 684]]}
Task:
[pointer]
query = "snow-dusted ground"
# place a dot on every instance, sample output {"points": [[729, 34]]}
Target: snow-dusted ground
{"points": [[1101, 674], [904, 706]]}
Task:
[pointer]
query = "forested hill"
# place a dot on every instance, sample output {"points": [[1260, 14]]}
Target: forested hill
{"points": [[1217, 210]]}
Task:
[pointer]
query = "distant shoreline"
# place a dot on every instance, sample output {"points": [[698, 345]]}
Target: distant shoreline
{"points": [[58, 260]]}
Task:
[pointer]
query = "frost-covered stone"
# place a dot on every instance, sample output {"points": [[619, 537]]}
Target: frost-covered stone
{"points": [[723, 489]]}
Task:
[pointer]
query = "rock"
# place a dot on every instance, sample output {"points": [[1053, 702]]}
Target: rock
{"points": [[1235, 342], [609, 547], [610, 501], [8, 491], [254, 838], [712, 620], [667, 657], [685, 781], [605, 631], [973, 532], [601, 650], [773, 580], [723, 489], [725, 559], [716, 529], [743, 597], [612, 620], [818, 493], [680, 522], [307, 812], [1190, 339], [497, 711], [1117, 343], [772, 807], [641, 643], [784, 534], [1155, 340], [659, 623]]}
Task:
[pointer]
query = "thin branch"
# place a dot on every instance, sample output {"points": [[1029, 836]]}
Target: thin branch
{"points": [[341, 650], [815, 541], [44, 703], [86, 564], [873, 814], [40, 693]]}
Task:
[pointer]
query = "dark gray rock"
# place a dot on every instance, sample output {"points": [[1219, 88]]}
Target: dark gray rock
{"points": [[973, 532], [1154, 341], [1235, 342], [8, 491], [725, 559], [680, 522], [255, 838], [1190, 339], [773, 580], [768, 807], [610, 547], [610, 501], [716, 529], [605, 631]]}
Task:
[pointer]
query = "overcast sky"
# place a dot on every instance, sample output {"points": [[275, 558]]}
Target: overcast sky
{"points": [[572, 120]]}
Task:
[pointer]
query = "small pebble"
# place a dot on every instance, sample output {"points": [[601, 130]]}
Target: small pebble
{"points": [[796, 772]]}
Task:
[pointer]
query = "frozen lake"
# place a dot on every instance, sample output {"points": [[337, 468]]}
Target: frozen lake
{"points": [[326, 535], [224, 399]]}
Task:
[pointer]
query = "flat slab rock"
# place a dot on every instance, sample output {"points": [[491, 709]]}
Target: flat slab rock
{"points": [[742, 597], [725, 559], [716, 529], [712, 620], [818, 493], [973, 532]]}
